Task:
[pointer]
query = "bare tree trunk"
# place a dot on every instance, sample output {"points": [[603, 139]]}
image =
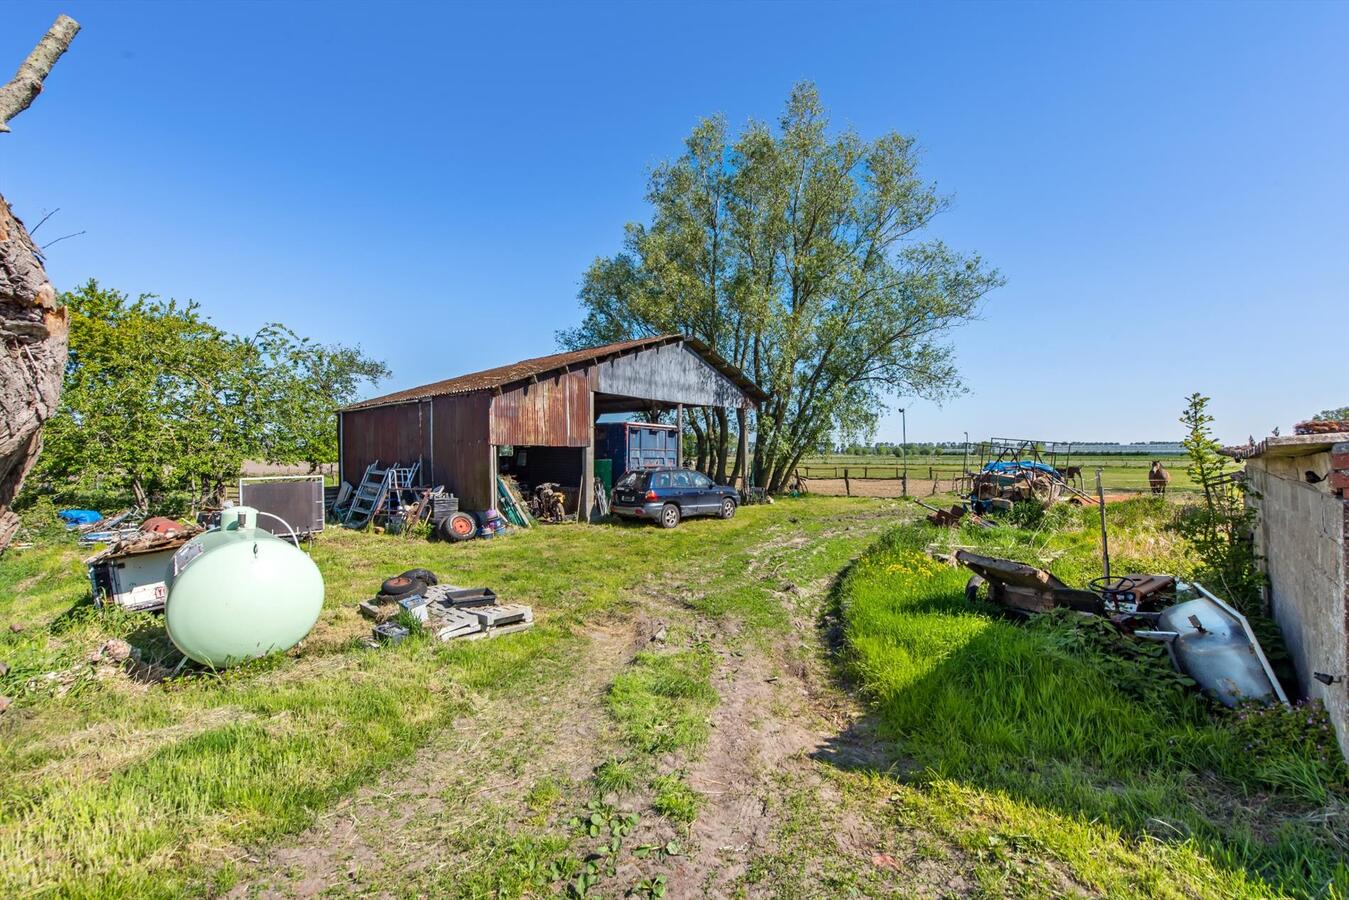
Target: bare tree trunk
{"points": [[709, 430], [33, 326], [723, 444], [142, 498], [26, 84], [741, 421], [699, 440]]}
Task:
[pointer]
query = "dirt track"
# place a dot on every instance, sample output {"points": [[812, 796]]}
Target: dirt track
{"points": [[780, 813]]}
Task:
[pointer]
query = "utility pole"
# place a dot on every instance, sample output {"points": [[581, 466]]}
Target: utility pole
{"points": [[904, 425], [965, 461]]}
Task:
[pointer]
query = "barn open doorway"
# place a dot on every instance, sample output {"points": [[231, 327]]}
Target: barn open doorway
{"points": [[528, 469]]}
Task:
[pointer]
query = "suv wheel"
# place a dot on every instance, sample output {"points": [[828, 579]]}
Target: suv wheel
{"points": [[669, 516], [727, 508]]}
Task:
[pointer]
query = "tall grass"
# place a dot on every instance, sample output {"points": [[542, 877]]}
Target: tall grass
{"points": [[116, 788], [1064, 730]]}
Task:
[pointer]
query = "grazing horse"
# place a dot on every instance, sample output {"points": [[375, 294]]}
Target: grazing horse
{"points": [[1158, 477], [1071, 474]]}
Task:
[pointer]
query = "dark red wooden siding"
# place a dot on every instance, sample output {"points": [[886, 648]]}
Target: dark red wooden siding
{"points": [[555, 412], [388, 434], [448, 435], [461, 450]]}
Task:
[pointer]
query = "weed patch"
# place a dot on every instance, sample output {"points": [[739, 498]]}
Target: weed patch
{"points": [[674, 799], [661, 701], [1060, 722]]}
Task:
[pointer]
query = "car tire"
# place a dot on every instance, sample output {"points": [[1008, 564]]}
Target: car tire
{"points": [[459, 526], [425, 576], [727, 508], [401, 586], [669, 516]]}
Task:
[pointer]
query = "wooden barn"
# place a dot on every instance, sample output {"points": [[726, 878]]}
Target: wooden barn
{"points": [[536, 418]]}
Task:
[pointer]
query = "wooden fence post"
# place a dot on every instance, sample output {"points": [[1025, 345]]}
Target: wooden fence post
{"points": [[847, 485]]}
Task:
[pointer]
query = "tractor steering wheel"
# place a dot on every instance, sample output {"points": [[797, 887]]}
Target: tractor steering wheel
{"points": [[1113, 584]]}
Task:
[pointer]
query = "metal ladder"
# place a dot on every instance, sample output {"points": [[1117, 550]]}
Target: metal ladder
{"points": [[374, 490], [369, 494]]}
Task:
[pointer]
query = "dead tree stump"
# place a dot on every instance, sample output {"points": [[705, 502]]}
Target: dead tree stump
{"points": [[33, 326]]}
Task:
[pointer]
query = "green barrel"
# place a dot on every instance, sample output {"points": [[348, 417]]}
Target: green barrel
{"points": [[604, 473], [238, 592]]}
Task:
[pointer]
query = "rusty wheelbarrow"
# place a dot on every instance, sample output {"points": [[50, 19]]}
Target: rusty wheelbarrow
{"points": [[1023, 589]]}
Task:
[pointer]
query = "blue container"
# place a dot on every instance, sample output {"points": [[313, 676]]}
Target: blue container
{"points": [[636, 445]]}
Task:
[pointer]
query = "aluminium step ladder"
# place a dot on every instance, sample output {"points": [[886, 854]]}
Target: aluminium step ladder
{"points": [[375, 489]]}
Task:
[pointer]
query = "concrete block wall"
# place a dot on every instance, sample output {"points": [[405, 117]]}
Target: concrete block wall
{"points": [[1302, 538]]}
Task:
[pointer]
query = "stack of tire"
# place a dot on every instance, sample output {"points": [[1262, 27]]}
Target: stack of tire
{"points": [[413, 581]]}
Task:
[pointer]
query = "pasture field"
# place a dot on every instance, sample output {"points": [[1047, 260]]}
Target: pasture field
{"points": [[794, 702], [1119, 473]]}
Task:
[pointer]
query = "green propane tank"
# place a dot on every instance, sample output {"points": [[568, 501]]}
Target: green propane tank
{"points": [[238, 592]]}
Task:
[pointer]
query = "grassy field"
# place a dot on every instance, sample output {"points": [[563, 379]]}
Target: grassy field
{"points": [[678, 698], [1124, 472], [119, 788]]}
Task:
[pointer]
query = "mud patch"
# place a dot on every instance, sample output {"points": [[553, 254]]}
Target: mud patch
{"points": [[392, 832]]}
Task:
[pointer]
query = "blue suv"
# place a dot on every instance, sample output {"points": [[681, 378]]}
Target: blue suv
{"points": [[668, 495]]}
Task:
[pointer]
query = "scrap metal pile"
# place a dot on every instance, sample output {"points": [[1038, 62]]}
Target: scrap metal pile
{"points": [[132, 571], [447, 611], [1001, 484], [1208, 639], [1017, 471]]}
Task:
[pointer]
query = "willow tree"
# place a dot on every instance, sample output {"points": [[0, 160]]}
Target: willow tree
{"points": [[803, 258], [32, 322]]}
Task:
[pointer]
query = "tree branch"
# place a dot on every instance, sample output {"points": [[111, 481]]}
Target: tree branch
{"points": [[62, 238], [26, 84]]}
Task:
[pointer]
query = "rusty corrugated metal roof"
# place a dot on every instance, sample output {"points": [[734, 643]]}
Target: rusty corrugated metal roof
{"points": [[516, 372]]}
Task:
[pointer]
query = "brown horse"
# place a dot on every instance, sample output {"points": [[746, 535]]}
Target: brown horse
{"points": [[1158, 477], [1072, 474]]}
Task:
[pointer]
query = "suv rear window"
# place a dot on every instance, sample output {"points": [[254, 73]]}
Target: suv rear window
{"points": [[632, 481]]}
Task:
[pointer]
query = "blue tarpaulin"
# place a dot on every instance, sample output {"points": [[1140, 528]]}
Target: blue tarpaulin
{"points": [[80, 516], [1011, 467]]}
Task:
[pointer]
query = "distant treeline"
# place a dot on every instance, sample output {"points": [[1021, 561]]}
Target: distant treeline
{"points": [[916, 448]]}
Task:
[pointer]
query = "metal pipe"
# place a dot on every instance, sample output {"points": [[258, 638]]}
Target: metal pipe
{"points": [[904, 424], [1105, 540], [965, 461]]}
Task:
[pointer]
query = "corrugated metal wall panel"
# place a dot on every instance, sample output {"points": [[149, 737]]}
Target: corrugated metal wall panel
{"points": [[555, 412]]}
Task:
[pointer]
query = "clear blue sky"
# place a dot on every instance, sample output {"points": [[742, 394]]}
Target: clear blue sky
{"points": [[1165, 187]]}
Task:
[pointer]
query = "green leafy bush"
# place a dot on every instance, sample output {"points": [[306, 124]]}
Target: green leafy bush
{"points": [[40, 523], [1220, 527]]}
